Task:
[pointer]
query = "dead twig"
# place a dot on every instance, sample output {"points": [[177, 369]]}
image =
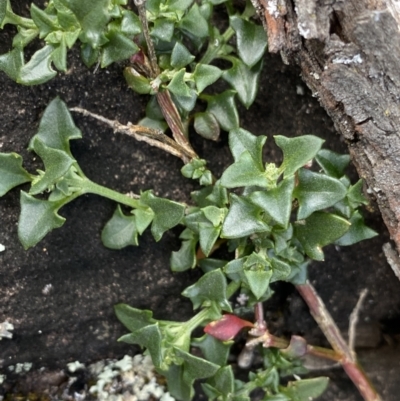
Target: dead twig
{"points": [[354, 320]]}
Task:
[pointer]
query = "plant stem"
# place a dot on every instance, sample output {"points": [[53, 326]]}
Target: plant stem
{"points": [[93, 188], [215, 46], [332, 333]]}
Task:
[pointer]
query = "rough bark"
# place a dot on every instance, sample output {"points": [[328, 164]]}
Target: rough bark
{"points": [[349, 55]]}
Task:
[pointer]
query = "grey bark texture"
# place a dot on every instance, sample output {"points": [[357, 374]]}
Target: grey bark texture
{"points": [[349, 55]]}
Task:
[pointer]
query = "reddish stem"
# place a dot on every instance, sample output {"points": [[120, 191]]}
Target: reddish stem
{"points": [[332, 333]]}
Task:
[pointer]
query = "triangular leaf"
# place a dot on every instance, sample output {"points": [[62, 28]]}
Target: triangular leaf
{"points": [[251, 40], [178, 86], [133, 319], [208, 236], [277, 202], [185, 258], [213, 350], [207, 126], [258, 281], [12, 62], [318, 230], [243, 219], [37, 218], [205, 75], [224, 109], [317, 192], [332, 163], [120, 231], [194, 23], [180, 56], [11, 172], [297, 151], [307, 389]]}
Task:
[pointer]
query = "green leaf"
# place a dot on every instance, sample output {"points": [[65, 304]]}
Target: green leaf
{"points": [[244, 172], [297, 151], [258, 281], [37, 218], [180, 56], [24, 37], [177, 386], [208, 236], [163, 30], [185, 258], [118, 48], [332, 163], [3, 10], [143, 219], [205, 75], [56, 127], [136, 81], [356, 196], [251, 40], [130, 24], [133, 319], [307, 389], [56, 162], [241, 140], [209, 289], [93, 17], [277, 202], [120, 231], [148, 337], [194, 23], [280, 269], [223, 382], [316, 192], [357, 232], [178, 86], [11, 172], [243, 219], [318, 230], [244, 80], [213, 350], [207, 126], [44, 21], [167, 214], [224, 109], [38, 70], [12, 62], [185, 103], [195, 368], [179, 5], [59, 55], [89, 55]]}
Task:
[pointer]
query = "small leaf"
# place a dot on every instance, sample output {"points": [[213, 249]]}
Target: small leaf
{"points": [[195, 368], [177, 385], [148, 337], [133, 319], [241, 140], [185, 258], [227, 327], [118, 48], [56, 127], [213, 350], [89, 55], [318, 230], [12, 62], [251, 40], [194, 23], [207, 126], [56, 162], [3, 10], [143, 218], [332, 163], [316, 192], [357, 232], [208, 236], [178, 86], [258, 281], [277, 202], [209, 289], [297, 151], [179, 5], [38, 70], [356, 196], [136, 81], [223, 383], [185, 103], [307, 389], [130, 24], [120, 231], [180, 56], [167, 214], [11, 172], [92, 17], [163, 30], [205, 75], [280, 269], [59, 55], [244, 80], [37, 218], [224, 109], [244, 172], [243, 219], [44, 21]]}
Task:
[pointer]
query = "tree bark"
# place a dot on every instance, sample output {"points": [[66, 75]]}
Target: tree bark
{"points": [[349, 55]]}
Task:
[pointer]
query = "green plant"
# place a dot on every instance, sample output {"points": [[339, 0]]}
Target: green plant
{"points": [[279, 221]]}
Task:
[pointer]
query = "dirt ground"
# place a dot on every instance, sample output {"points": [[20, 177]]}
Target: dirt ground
{"points": [[75, 320]]}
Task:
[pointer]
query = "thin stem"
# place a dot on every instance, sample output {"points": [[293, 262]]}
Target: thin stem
{"points": [[354, 320], [215, 46], [91, 187], [150, 47], [140, 133], [332, 333]]}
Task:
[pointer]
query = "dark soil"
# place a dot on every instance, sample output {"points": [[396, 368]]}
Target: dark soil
{"points": [[75, 320]]}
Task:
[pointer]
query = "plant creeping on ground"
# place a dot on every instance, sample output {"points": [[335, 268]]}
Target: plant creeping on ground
{"points": [[273, 219]]}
